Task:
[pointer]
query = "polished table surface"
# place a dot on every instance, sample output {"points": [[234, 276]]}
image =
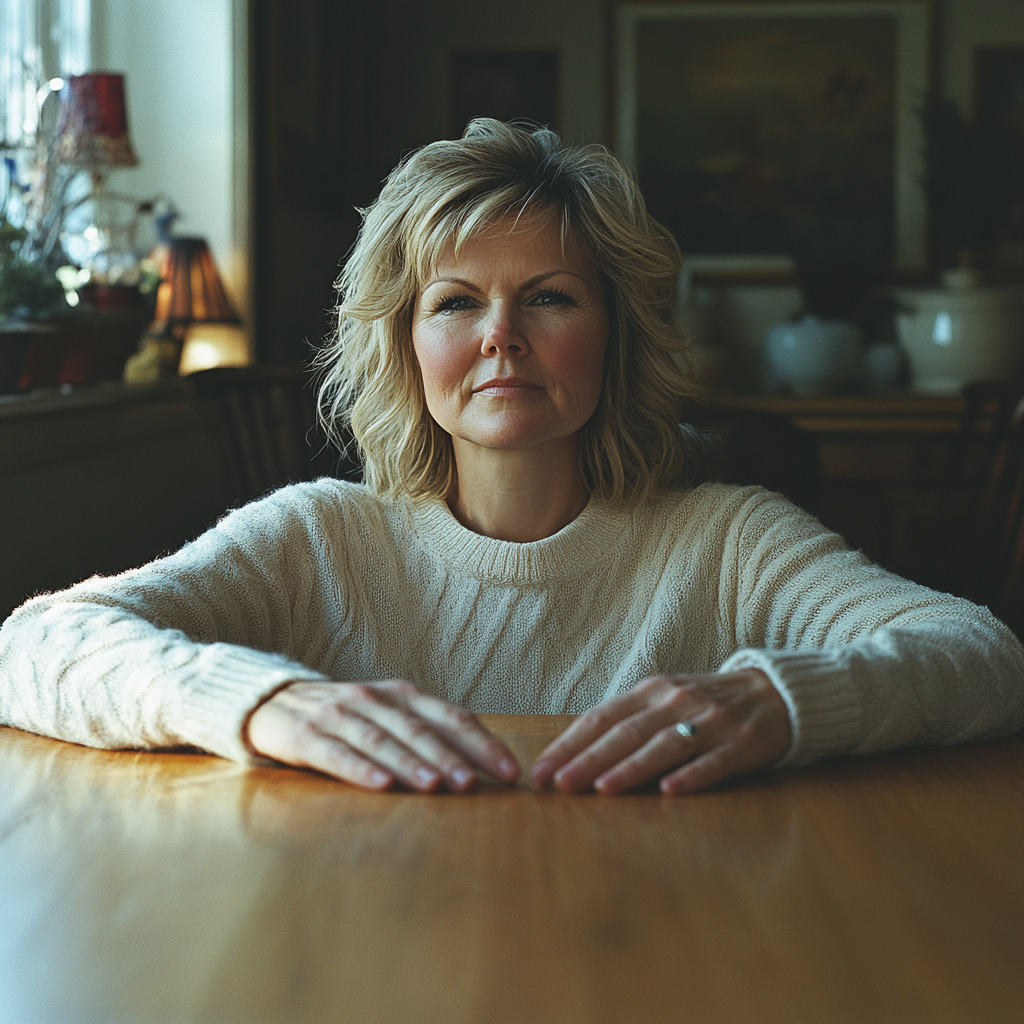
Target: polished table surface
{"points": [[145, 888]]}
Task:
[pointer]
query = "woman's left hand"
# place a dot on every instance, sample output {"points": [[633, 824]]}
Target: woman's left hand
{"points": [[736, 720]]}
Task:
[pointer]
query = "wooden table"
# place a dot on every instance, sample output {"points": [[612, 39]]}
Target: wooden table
{"points": [[168, 888]]}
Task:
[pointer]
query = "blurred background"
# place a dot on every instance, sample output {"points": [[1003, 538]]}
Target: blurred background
{"points": [[181, 183]]}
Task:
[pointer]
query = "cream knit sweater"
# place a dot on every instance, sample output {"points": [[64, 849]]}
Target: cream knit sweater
{"points": [[326, 580]]}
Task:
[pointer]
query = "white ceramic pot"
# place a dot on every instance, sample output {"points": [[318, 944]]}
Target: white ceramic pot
{"points": [[953, 337], [813, 357]]}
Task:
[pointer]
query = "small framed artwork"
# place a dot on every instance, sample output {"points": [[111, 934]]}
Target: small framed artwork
{"points": [[510, 85], [751, 124]]}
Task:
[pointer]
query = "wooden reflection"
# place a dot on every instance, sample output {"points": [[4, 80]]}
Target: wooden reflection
{"points": [[167, 887]]}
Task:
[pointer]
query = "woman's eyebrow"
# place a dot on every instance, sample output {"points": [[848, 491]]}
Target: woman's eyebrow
{"points": [[527, 284], [450, 280], [553, 273]]}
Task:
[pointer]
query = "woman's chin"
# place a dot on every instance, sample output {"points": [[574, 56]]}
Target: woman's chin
{"points": [[510, 438]]}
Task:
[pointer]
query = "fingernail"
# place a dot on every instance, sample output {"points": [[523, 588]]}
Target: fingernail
{"points": [[462, 777], [379, 778], [508, 768], [426, 776], [540, 770]]}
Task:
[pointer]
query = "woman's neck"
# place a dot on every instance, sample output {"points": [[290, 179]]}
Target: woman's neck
{"points": [[518, 494]]}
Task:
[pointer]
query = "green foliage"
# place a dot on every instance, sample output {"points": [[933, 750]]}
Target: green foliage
{"points": [[29, 289]]}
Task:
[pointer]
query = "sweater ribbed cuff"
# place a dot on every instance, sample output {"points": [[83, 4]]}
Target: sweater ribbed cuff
{"points": [[824, 713], [230, 683]]}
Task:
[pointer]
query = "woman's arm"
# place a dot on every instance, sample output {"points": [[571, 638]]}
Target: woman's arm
{"points": [[209, 647], [176, 652], [835, 655], [865, 660]]}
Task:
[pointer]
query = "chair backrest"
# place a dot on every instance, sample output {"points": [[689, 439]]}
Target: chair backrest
{"points": [[997, 574], [767, 449], [264, 421]]}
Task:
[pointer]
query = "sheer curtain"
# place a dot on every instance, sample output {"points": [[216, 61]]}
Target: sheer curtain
{"points": [[40, 40]]}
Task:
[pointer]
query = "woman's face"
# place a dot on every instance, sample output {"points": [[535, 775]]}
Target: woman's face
{"points": [[510, 338]]}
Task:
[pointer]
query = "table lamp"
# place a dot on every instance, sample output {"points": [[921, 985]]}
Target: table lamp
{"points": [[93, 128], [92, 136], [190, 292]]}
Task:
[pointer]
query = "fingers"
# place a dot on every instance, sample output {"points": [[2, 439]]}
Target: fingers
{"points": [[643, 742], [741, 724], [278, 730], [587, 729], [349, 730], [665, 749], [464, 733], [375, 735], [331, 756], [405, 748], [717, 765]]}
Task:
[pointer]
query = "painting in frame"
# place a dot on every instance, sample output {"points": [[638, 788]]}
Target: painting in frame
{"points": [[751, 124]]}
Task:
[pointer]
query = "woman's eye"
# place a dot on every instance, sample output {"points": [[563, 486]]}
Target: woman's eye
{"points": [[553, 297], [453, 304]]}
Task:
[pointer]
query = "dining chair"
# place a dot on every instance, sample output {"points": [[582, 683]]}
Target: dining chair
{"points": [[263, 419], [996, 575], [753, 447]]}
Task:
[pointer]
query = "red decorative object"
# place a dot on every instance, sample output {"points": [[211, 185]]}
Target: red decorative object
{"points": [[84, 349], [115, 297], [93, 130]]}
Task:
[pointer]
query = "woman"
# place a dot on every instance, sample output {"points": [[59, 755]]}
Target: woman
{"points": [[531, 538]]}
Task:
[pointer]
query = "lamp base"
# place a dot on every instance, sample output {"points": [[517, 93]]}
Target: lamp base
{"points": [[158, 356]]}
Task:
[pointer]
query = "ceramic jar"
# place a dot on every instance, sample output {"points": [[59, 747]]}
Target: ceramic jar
{"points": [[813, 357], [953, 336]]}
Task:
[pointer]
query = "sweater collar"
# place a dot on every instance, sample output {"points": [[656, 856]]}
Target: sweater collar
{"points": [[590, 539]]}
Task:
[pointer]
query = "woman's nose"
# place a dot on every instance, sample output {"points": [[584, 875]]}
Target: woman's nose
{"points": [[503, 334]]}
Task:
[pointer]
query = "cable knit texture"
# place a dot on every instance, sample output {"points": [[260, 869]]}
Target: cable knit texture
{"points": [[328, 581]]}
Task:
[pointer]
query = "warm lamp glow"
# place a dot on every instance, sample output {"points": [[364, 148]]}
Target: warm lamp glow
{"points": [[208, 345], [190, 287]]}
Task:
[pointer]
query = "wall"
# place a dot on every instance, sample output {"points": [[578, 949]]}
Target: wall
{"points": [[966, 24], [187, 92], [185, 62], [188, 123], [417, 38]]}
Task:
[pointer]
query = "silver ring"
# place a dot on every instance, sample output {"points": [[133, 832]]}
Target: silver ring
{"points": [[688, 730]]}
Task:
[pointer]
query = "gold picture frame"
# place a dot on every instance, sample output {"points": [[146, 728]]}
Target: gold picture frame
{"points": [[686, 74]]}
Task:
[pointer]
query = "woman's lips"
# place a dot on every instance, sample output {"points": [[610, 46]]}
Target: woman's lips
{"points": [[506, 386]]}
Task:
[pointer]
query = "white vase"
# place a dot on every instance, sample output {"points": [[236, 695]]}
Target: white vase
{"points": [[813, 357], [953, 336]]}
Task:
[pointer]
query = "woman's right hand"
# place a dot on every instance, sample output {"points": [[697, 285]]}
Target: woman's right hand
{"points": [[376, 734]]}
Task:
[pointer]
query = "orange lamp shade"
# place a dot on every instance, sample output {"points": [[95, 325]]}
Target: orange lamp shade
{"points": [[190, 287]]}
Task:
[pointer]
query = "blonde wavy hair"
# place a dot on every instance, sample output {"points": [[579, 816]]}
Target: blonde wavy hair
{"points": [[436, 199]]}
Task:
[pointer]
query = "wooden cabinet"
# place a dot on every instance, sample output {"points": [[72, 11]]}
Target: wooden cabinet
{"points": [[98, 480]]}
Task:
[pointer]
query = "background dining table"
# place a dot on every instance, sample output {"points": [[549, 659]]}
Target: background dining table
{"points": [[178, 887]]}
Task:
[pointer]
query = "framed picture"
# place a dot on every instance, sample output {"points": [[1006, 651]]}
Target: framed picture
{"points": [[758, 127], [508, 85]]}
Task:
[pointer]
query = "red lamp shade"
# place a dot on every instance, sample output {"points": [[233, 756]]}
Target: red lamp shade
{"points": [[190, 287], [93, 129]]}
